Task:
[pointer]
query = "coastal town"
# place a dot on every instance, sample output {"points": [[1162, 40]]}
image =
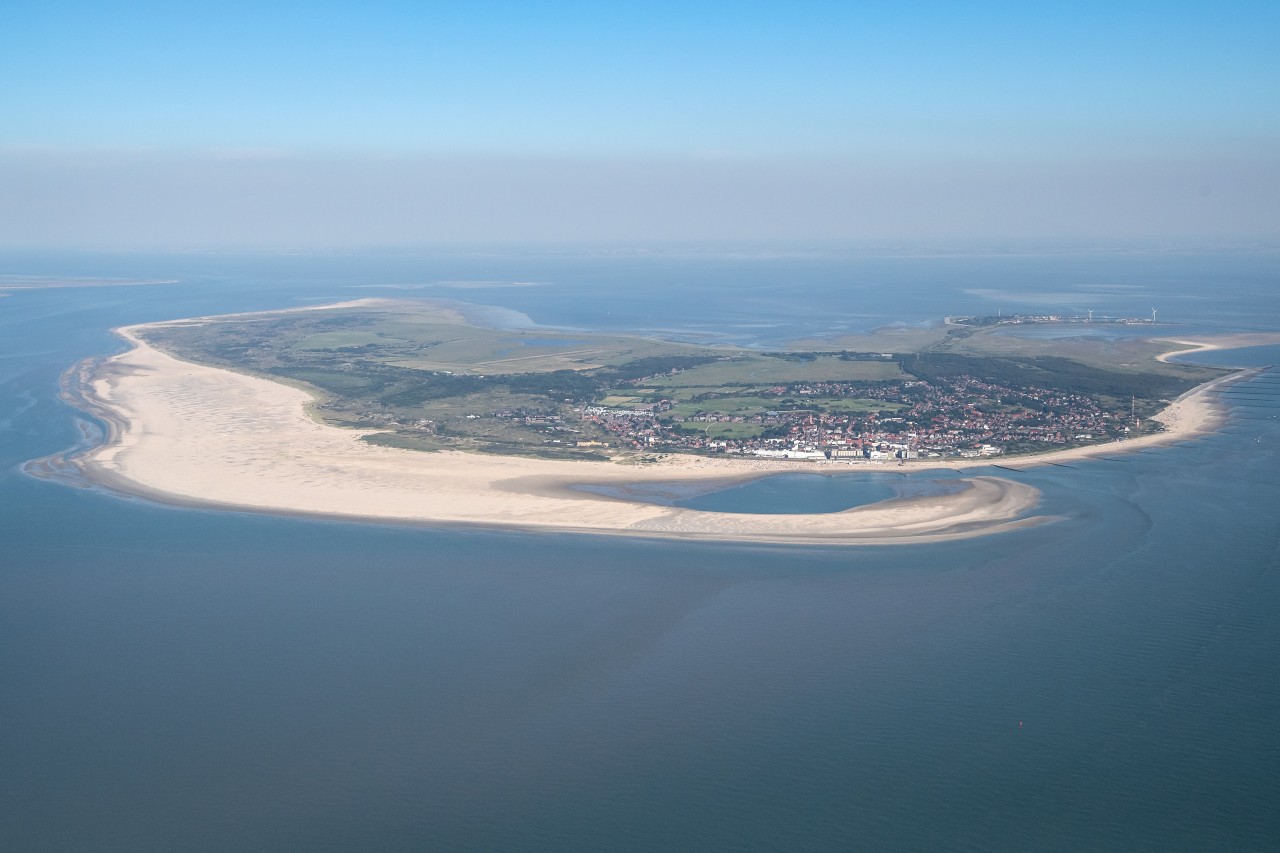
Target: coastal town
{"points": [[910, 419], [1088, 318]]}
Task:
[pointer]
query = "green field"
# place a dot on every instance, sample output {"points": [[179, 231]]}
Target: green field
{"points": [[746, 406], [860, 406], [766, 370], [344, 340], [726, 430], [727, 406]]}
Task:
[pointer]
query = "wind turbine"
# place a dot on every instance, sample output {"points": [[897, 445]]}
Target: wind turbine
{"points": [[1153, 315]]}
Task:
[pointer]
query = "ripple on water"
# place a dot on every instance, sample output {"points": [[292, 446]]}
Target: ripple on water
{"points": [[789, 494]]}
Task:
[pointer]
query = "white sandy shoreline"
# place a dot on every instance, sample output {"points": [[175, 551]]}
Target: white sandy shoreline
{"points": [[195, 435]]}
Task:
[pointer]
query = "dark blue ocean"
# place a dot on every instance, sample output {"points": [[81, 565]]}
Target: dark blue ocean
{"points": [[184, 680]]}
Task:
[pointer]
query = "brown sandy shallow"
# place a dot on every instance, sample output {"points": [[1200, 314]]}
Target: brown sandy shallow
{"points": [[189, 434], [1229, 341]]}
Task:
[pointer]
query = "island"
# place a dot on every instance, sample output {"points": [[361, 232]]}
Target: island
{"points": [[409, 411]]}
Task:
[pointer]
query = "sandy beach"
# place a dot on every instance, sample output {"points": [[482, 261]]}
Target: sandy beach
{"points": [[195, 435]]}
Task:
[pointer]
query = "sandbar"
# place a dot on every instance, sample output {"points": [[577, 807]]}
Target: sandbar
{"points": [[1237, 340]]}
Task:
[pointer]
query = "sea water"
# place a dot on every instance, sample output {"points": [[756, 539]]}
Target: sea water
{"points": [[177, 679]]}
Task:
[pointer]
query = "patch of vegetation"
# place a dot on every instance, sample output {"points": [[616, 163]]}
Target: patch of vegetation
{"points": [[764, 370], [653, 365], [722, 429], [407, 442], [1050, 372]]}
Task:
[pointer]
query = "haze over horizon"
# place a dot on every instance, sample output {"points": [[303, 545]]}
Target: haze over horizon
{"points": [[327, 125]]}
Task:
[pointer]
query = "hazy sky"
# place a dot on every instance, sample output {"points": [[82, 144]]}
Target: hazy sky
{"points": [[313, 124]]}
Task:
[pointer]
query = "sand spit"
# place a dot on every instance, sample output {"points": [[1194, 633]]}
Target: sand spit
{"points": [[1232, 341]]}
